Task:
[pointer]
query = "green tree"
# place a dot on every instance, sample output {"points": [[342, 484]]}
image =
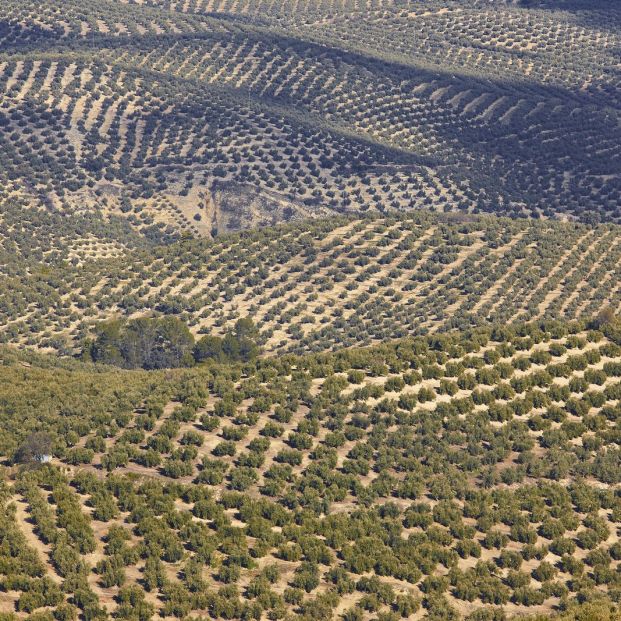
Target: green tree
{"points": [[209, 348], [147, 342], [35, 448]]}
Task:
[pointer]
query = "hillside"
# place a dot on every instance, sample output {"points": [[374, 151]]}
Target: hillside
{"points": [[203, 116], [431, 477], [310, 310], [319, 285]]}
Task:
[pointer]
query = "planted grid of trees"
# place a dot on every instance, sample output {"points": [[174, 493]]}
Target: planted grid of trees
{"points": [[472, 473], [161, 112], [325, 284]]}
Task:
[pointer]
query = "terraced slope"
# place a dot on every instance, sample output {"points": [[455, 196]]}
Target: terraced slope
{"points": [[430, 478], [334, 283], [208, 115]]}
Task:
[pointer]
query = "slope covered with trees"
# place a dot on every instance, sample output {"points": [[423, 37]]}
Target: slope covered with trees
{"points": [[310, 359], [201, 116], [326, 284], [470, 475]]}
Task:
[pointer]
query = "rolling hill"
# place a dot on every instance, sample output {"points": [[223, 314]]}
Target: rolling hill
{"points": [[310, 310], [200, 116], [321, 284], [470, 475]]}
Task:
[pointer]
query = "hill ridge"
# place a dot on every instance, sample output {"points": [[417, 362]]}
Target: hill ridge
{"points": [[317, 284]]}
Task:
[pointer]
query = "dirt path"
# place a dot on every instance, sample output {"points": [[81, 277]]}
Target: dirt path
{"points": [[44, 550]]}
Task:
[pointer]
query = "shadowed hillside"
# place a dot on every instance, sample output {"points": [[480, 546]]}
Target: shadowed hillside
{"points": [[204, 116]]}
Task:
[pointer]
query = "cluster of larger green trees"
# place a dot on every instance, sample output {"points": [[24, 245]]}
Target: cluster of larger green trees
{"points": [[166, 342]]}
